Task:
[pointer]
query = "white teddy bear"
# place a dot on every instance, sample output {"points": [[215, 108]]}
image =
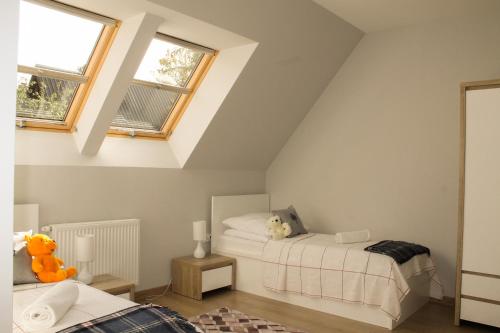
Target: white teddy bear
{"points": [[277, 229]]}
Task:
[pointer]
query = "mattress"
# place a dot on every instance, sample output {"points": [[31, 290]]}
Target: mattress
{"points": [[231, 245], [91, 303]]}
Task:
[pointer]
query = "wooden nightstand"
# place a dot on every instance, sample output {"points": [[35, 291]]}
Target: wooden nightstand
{"points": [[191, 277], [114, 286]]}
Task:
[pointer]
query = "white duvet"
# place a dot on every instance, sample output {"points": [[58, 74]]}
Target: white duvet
{"points": [[51, 306], [91, 303], [314, 265]]}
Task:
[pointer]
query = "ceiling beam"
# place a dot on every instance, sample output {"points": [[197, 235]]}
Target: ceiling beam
{"points": [[118, 70]]}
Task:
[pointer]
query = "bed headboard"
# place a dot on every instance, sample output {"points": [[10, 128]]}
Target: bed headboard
{"points": [[224, 207], [26, 217]]}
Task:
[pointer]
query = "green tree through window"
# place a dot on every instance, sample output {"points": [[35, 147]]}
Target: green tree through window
{"points": [[177, 66]]}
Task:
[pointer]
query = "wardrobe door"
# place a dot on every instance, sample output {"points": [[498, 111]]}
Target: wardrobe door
{"points": [[481, 237]]}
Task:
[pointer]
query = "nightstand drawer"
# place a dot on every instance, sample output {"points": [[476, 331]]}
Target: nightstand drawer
{"points": [[191, 277], [216, 278]]}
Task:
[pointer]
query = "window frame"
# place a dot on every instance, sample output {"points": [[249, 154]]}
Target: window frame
{"points": [[86, 79], [186, 94]]}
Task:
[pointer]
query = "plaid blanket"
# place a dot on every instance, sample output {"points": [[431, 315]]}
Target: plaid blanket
{"points": [[315, 265], [400, 251], [147, 318]]}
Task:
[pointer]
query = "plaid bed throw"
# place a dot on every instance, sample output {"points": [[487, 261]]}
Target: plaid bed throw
{"points": [[147, 318], [315, 265], [400, 251]]}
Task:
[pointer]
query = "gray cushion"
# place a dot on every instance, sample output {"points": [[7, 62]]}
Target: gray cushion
{"points": [[291, 217], [22, 268]]}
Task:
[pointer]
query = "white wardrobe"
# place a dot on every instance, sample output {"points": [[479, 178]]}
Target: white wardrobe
{"points": [[478, 264]]}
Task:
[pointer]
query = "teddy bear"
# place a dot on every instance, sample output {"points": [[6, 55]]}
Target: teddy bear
{"points": [[45, 265], [278, 229]]}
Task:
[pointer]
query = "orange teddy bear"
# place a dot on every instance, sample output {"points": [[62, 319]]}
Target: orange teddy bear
{"points": [[46, 266]]}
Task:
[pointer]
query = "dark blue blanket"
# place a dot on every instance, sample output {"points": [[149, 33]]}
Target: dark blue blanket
{"points": [[141, 318], [400, 251]]}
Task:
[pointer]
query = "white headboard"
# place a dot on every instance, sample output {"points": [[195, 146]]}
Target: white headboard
{"points": [[224, 207], [26, 217]]}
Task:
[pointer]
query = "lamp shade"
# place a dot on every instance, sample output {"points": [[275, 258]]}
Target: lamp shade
{"points": [[85, 248], [200, 230]]}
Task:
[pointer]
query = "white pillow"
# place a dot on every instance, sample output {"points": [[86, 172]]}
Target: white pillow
{"points": [[254, 223], [246, 235], [18, 241]]}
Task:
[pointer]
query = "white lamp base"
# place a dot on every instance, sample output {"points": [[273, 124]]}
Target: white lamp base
{"points": [[85, 276], [199, 252]]}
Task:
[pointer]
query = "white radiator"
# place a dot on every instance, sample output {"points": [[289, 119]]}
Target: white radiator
{"points": [[116, 246]]}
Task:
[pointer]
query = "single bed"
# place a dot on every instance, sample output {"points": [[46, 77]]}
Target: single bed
{"points": [[255, 261], [90, 304]]}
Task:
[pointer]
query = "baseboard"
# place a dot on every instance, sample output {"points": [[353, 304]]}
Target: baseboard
{"points": [[140, 296], [447, 301]]}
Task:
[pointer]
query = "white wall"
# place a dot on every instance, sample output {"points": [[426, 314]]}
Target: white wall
{"points": [[379, 149], [51, 148], [166, 201], [207, 100], [280, 82], [9, 10]]}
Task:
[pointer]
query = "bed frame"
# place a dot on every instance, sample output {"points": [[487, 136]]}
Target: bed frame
{"points": [[249, 271]]}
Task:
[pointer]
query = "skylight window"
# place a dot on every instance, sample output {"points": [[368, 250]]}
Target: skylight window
{"points": [[60, 50], [163, 85]]}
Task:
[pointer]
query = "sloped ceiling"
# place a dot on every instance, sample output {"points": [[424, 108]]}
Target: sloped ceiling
{"points": [[377, 15], [301, 47]]}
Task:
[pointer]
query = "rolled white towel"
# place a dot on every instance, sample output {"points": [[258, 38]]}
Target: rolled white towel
{"points": [[352, 237], [47, 309]]}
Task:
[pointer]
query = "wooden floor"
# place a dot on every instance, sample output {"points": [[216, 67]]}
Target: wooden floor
{"points": [[431, 318]]}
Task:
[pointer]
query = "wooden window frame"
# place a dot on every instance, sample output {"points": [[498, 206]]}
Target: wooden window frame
{"points": [[182, 103], [86, 80]]}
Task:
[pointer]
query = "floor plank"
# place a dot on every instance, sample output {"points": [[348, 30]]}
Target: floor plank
{"points": [[432, 318]]}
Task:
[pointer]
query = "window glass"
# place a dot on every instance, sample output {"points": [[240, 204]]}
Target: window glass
{"points": [[44, 98], [145, 108], [161, 87], [168, 63], [55, 40], [56, 44]]}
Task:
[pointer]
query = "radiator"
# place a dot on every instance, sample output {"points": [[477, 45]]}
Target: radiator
{"points": [[116, 246]]}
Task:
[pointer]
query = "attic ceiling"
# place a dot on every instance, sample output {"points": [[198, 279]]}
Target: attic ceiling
{"points": [[377, 15], [301, 47]]}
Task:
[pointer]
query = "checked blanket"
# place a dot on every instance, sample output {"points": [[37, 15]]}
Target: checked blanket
{"points": [[316, 266], [147, 318], [400, 251]]}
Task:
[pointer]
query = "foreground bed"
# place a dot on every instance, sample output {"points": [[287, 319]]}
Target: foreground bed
{"points": [[91, 305], [88, 313], [261, 268]]}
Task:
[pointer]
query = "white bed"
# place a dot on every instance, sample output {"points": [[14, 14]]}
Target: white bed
{"points": [[241, 247], [91, 303], [250, 268]]}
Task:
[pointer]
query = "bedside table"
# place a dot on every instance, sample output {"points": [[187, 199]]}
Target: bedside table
{"points": [[192, 277], [114, 286]]}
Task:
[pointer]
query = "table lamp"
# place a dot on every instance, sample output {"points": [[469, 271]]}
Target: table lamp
{"points": [[199, 235], [84, 255]]}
